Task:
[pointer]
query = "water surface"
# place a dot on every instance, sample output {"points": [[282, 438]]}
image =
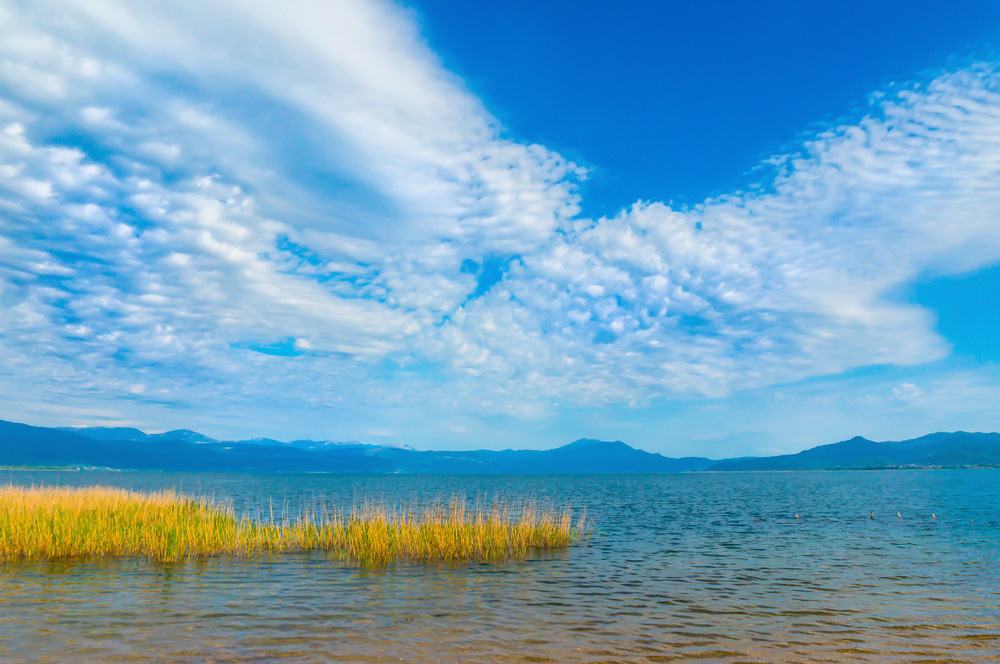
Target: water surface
{"points": [[712, 566]]}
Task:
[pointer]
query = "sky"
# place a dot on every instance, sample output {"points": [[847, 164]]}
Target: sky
{"points": [[697, 228]]}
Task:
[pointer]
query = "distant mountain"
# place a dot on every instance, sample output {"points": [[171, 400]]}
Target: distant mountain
{"points": [[125, 448], [186, 435], [581, 456], [128, 448], [107, 433], [958, 449], [129, 433]]}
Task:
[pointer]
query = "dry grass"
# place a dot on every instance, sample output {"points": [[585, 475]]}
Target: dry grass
{"points": [[46, 523]]}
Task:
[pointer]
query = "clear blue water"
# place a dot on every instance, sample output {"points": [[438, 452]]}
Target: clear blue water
{"points": [[706, 566]]}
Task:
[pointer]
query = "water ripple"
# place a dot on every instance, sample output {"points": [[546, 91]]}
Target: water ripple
{"points": [[707, 567]]}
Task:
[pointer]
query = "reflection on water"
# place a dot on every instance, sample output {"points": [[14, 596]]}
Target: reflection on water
{"points": [[708, 566]]}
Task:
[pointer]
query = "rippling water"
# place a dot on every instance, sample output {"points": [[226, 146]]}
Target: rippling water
{"points": [[706, 566]]}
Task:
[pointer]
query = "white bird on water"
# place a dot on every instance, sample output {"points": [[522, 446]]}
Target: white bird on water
{"points": [[934, 516], [898, 515]]}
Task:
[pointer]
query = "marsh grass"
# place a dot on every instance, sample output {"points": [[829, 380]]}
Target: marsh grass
{"points": [[50, 523]]}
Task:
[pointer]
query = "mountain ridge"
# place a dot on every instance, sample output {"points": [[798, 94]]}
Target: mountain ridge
{"points": [[935, 450], [183, 449], [128, 448]]}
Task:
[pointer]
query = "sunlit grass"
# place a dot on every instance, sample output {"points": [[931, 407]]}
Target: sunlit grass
{"points": [[49, 523]]}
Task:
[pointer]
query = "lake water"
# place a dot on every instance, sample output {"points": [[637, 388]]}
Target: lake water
{"points": [[707, 566]]}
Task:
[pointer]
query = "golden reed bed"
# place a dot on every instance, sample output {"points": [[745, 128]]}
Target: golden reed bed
{"points": [[48, 523]]}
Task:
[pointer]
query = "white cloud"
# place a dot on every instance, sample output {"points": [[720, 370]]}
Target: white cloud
{"points": [[761, 287], [313, 175], [906, 392]]}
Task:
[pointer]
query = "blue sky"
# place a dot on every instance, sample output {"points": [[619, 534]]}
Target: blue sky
{"points": [[700, 229], [678, 101]]}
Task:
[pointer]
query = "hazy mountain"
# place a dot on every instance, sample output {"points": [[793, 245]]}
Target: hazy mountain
{"points": [[127, 448], [187, 435], [24, 445], [129, 433], [933, 450], [107, 433], [581, 456]]}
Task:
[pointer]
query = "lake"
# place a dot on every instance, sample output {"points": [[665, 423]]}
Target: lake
{"points": [[712, 566]]}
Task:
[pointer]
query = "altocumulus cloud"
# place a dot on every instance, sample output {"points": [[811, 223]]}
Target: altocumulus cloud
{"points": [[765, 286], [232, 203]]}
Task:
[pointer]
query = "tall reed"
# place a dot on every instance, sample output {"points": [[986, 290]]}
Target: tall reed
{"points": [[47, 523]]}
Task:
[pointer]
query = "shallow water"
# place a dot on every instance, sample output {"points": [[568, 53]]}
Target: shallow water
{"points": [[708, 566]]}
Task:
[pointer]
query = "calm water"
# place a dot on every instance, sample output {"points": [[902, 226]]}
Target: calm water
{"points": [[707, 566]]}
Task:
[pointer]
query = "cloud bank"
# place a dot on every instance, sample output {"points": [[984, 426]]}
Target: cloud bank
{"points": [[234, 207]]}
